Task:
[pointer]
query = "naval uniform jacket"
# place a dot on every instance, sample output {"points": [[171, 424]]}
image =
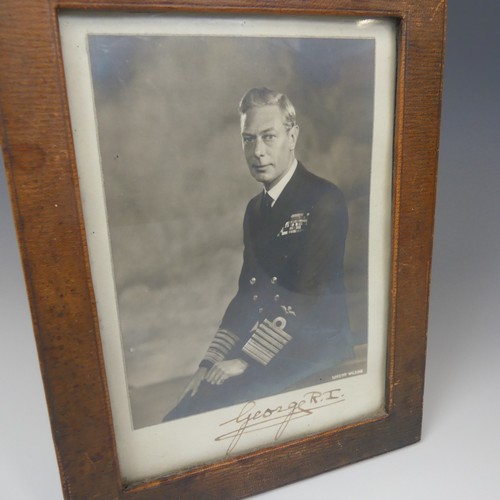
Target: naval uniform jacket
{"points": [[291, 299]]}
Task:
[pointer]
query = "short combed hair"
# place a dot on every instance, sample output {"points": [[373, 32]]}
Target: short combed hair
{"points": [[262, 96]]}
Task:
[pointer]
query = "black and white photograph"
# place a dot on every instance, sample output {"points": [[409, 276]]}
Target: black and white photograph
{"points": [[242, 179], [173, 148]]}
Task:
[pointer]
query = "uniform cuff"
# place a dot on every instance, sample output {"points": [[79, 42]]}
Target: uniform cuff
{"points": [[267, 340]]}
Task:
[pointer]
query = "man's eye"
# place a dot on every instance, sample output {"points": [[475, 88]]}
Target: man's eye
{"points": [[269, 137], [247, 140]]}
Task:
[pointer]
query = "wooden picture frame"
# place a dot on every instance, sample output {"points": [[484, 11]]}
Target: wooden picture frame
{"points": [[42, 166]]}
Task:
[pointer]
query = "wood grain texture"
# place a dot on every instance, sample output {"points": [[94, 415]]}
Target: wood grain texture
{"points": [[41, 169]]}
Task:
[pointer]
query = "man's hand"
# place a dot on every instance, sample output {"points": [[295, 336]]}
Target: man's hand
{"points": [[223, 370], [195, 382]]}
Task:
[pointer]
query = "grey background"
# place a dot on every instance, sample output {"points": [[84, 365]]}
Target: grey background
{"points": [[459, 456]]}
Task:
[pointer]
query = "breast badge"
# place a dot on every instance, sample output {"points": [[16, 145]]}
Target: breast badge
{"points": [[296, 224]]}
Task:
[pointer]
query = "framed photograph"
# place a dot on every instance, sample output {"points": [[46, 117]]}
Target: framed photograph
{"points": [[225, 214]]}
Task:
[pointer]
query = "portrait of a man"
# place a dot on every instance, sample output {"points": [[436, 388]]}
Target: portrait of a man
{"points": [[236, 176], [289, 317]]}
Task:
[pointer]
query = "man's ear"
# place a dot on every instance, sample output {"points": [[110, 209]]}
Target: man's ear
{"points": [[293, 135]]}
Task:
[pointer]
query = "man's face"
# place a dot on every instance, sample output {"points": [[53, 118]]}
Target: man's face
{"points": [[267, 144]]}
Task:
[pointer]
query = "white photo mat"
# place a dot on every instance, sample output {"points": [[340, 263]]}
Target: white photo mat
{"points": [[181, 444]]}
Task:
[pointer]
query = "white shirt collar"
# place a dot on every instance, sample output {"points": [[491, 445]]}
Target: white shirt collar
{"points": [[276, 190]]}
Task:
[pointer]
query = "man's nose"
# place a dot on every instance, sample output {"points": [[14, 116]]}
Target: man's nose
{"points": [[259, 150]]}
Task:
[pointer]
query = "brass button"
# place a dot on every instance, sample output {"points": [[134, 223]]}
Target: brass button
{"points": [[276, 297], [253, 280], [255, 297], [274, 280]]}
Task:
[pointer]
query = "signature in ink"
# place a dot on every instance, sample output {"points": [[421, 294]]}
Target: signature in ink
{"points": [[253, 418]]}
